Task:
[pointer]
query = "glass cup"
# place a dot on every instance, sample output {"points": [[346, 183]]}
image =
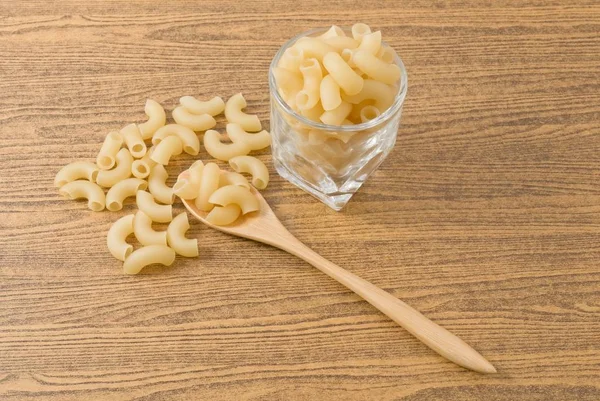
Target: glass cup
{"points": [[330, 162]]}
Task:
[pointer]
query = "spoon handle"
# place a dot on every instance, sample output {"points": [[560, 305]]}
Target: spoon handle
{"points": [[431, 334]]}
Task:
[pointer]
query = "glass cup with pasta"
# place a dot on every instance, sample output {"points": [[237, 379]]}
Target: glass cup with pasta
{"points": [[336, 103]]}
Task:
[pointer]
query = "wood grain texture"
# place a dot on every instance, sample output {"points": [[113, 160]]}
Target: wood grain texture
{"points": [[486, 216]]}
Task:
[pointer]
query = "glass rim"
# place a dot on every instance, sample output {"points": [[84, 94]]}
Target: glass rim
{"points": [[398, 99]]}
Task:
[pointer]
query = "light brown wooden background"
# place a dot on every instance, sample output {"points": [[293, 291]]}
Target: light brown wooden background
{"points": [[486, 216]]}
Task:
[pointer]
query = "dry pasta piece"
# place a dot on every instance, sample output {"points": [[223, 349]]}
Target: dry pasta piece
{"points": [[313, 47], [213, 107], [288, 81], [145, 234], [85, 189], [371, 42], [156, 119], [359, 30], [234, 114], [195, 122], [346, 55], [253, 166], [375, 68], [167, 148], [117, 235], [350, 82], [234, 194], [255, 141], [122, 170], [308, 97], [208, 184], [224, 215], [111, 145], [75, 171], [223, 151], [148, 255], [188, 185], [339, 43], [189, 139], [121, 190], [330, 93], [134, 141], [291, 59], [383, 95], [176, 237], [386, 54], [159, 213], [157, 185], [314, 113], [231, 178], [337, 115], [334, 31], [141, 168], [369, 113]]}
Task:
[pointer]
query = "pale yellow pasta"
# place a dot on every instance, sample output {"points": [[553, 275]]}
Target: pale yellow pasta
{"points": [[255, 141], [167, 148], [382, 94], [208, 184], [213, 107], [234, 114], [188, 185], [290, 82], [253, 166], [117, 235], [371, 42], [85, 189], [291, 59], [334, 31], [375, 68], [308, 97], [75, 171], [156, 119], [359, 30], [159, 213], [148, 255], [145, 234], [224, 215], [337, 115], [189, 139], [122, 170], [330, 93], [141, 168], [350, 82], [369, 113], [223, 151], [346, 55], [234, 194], [313, 48], [314, 113], [134, 141], [196, 122], [111, 145], [157, 185], [339, 43], [176, 237], [386, 54], [121, 190], [231, 178]]}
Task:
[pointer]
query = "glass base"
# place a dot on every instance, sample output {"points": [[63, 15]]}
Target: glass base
{"points": [[336, 200]]}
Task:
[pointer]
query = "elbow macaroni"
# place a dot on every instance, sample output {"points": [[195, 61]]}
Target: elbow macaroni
{"points": [[133, 140], [231, 178], [223, 151], [213, 107], [121, 190], [196, 122], [254, 141], [85, 189], [308, 97], [157, 185], [224, 215], [234, 114], [156, 119], [145, 234], [117, 235], [234, 194], [330, 93], [176, 237], [208, 184], [122, 170], [375, 68], [343, 75], [167, 148], [148, 255], [191, 144], [253, 166], [75, 171], [111, 145], [159, 213], [141, 168]]}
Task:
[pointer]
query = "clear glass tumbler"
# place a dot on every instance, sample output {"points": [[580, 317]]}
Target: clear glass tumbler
{"points": [[330, 162]]}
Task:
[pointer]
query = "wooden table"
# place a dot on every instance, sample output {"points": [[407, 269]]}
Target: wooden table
{"points": [[486, 216]]}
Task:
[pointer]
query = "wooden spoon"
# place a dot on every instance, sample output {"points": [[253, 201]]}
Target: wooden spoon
{"points": [[263, 226]]}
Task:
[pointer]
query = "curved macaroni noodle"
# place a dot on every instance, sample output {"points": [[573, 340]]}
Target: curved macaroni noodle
{"points": [[234, 114], [134, 141], [121, 190], [148, 255], [188, 186], [313, 47], [334, 31], [337, 115], [156, 119], [371, 42], [340, 71], [231, 178], [214, 106], [290, 82], [189, 139], [141, 168], [369, 113], [208, 184], [145, 234], [255, 141], [111, 145], [159, 213], [223, 151], [85, 189], [75, 171], [330, 93], [253, 166], [383, 95], [359, 30], [122, 170], [308, 97], [168, 147], [375, 68], [233, 194], [224, 215], [117, 235], [176, 237], [158, 187], [196, 122], [291, 59], [386, 54], [339, 43]]}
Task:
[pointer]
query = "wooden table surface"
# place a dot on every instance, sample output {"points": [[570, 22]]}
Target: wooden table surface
{"points": [[486, 216]]}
